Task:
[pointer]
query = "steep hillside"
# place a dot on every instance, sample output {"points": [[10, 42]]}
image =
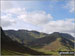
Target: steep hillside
{"points": [[54, 41], [43, 42], [20, 34], [68, 36], [24, 36], [8, 47]]}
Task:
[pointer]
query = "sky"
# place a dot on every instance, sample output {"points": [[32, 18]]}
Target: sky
{"points": [[46, 16]]}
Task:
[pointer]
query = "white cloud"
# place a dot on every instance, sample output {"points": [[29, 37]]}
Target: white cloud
{"points": [[36, 18], [6, 5], [16, 11], [70, 6], [40, 18], [65, 26], [7, 20]]}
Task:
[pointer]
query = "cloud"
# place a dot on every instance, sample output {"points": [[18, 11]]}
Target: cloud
{"points": [[16, 11], [36, 18], [70, 6], [7, 20], [6, 5], [65, 26]]}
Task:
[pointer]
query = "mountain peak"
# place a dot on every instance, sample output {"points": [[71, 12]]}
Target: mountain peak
{"points": [[55, 33]]}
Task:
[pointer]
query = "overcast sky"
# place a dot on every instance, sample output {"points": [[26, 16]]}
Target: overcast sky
{"points": [[45, 16]]}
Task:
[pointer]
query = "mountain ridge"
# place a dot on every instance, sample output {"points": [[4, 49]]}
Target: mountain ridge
{"points": [[7, 44], [52, 38], [25, 35], [46, 42]]}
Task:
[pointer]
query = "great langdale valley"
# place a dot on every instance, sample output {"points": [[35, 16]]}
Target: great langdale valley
{"points": [[27, 42]]}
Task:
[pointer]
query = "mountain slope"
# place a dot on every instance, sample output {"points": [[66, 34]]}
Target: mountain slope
{"points": [[34, 39], [53, 41], [7, 44], [24, 35], [20, 34], [65, 35]]}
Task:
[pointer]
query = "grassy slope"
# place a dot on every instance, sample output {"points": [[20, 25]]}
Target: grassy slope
{"points": [[9, 47], [48, 49], [54, 47]]}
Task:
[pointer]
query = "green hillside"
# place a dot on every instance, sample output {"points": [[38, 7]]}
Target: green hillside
{"points": [[35, 43], [24, 36], [10, 47], [52, 43]]}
